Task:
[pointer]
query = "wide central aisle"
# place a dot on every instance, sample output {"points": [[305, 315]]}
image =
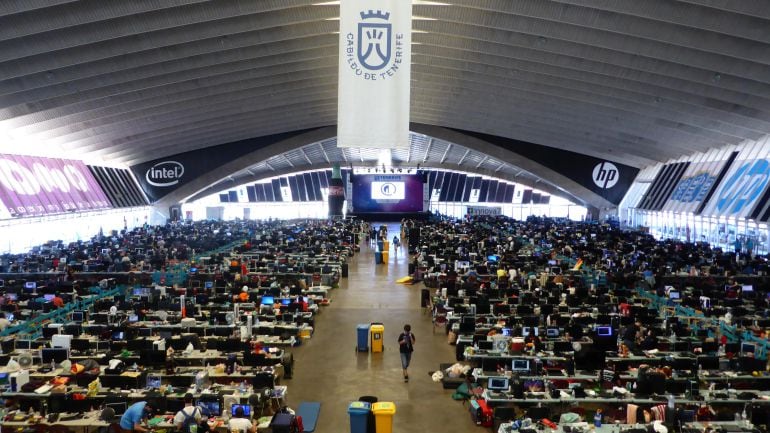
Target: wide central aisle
{"points": [[330, 371]]}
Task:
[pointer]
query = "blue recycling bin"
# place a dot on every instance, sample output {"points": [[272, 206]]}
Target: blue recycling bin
{"points": [[377, 258], [359, 416], [362, 332]]}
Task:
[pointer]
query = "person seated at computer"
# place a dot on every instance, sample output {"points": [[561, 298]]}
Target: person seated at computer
{"points": [[189, 414], [534, 340], [244, 295], [649, 342], [239, 423], [4, 322], [629, 334], [734, 290], [135, 416], [302, 305]]}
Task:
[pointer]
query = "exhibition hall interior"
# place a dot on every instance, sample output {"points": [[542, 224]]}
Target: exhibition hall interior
{"points": [[384, 216]]}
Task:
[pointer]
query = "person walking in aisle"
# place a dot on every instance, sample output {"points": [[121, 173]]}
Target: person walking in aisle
{"points": [[406, 347]]}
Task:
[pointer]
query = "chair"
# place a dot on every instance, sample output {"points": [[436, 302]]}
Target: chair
{"points": [[439, 318]]}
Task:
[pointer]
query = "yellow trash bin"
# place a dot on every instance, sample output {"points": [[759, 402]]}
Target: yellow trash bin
{"points": [[377, 330], [383, 416], [385, 245], [385, 256]]}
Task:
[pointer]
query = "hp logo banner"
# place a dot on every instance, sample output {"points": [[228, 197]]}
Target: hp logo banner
{"points": [[606, 175]]}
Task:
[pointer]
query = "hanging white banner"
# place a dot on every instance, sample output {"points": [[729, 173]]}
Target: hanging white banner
{"points": [[374, 73]]}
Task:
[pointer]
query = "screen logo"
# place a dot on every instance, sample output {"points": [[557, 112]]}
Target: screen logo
{"points": [[165, 173], [606, 175], [744, 187], [388, 189]]}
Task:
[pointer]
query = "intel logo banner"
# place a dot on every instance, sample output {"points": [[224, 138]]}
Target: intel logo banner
{"points": [[38, 186], [743, 188], [165, 173]]}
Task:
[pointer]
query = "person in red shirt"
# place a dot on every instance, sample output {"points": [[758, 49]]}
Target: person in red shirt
{"points": [[57, 301]]}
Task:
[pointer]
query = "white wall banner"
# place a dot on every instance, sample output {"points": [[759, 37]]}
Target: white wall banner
{"points": [[374, 73], [483, 210]]}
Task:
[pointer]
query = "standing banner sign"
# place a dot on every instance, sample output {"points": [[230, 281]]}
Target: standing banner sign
{"points": [[374, 73]]}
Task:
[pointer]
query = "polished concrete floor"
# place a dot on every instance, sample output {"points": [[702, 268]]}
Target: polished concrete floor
{"points": [[329, 370]]}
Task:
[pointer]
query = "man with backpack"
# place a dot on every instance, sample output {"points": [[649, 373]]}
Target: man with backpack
{"points": [[188, 419]]}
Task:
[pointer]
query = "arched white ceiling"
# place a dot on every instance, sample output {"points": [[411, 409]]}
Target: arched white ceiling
{"points": [[637, 82]]}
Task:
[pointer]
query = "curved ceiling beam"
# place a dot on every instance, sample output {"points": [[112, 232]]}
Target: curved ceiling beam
{"points": [[222, 177]]}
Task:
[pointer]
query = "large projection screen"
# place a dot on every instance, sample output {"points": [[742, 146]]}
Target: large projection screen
{"points": [[387, 193]]}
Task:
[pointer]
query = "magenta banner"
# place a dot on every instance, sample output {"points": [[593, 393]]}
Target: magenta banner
{"points": [[34, 186]]}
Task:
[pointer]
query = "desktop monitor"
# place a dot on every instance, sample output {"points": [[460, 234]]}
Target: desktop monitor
{"points": [[193, 270], [748, 348], [497, 384], [246, 409], [80, 344], [133, 318], [23, 345], [486, 345], [210, 407], [520, 365], [153, 381], [709, 347], [49, 297], [501, 309], [77, 316], [531, 321], [527, 331], [709, 362], [562, 346], [552, 332], [9, 316], [152, 357], [555, 270], [208, 284], [507, 332], [551, 262], [118, 407], [145, 332], [493, 258], [268, 300], [54, 354], [118, 335], [63, 341], [12, 296], [30, 286], [50, 331], [285, 301], [604, 331], [746, 288], [673, 294]]}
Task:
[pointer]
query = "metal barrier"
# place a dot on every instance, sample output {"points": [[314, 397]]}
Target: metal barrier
{"points": [[33, 328]]}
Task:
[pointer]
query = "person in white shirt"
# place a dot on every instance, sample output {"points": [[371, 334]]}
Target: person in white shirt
{"points": [[193, 413], [240, 423]]}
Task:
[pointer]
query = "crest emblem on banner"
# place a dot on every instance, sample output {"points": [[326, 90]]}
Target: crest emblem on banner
{"points": [[374, 40]]}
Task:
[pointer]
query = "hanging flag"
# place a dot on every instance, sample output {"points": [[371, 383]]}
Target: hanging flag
{"points": [[374, 73]]}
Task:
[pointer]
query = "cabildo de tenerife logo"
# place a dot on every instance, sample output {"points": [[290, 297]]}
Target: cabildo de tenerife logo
{"points": [[376, 51]]}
